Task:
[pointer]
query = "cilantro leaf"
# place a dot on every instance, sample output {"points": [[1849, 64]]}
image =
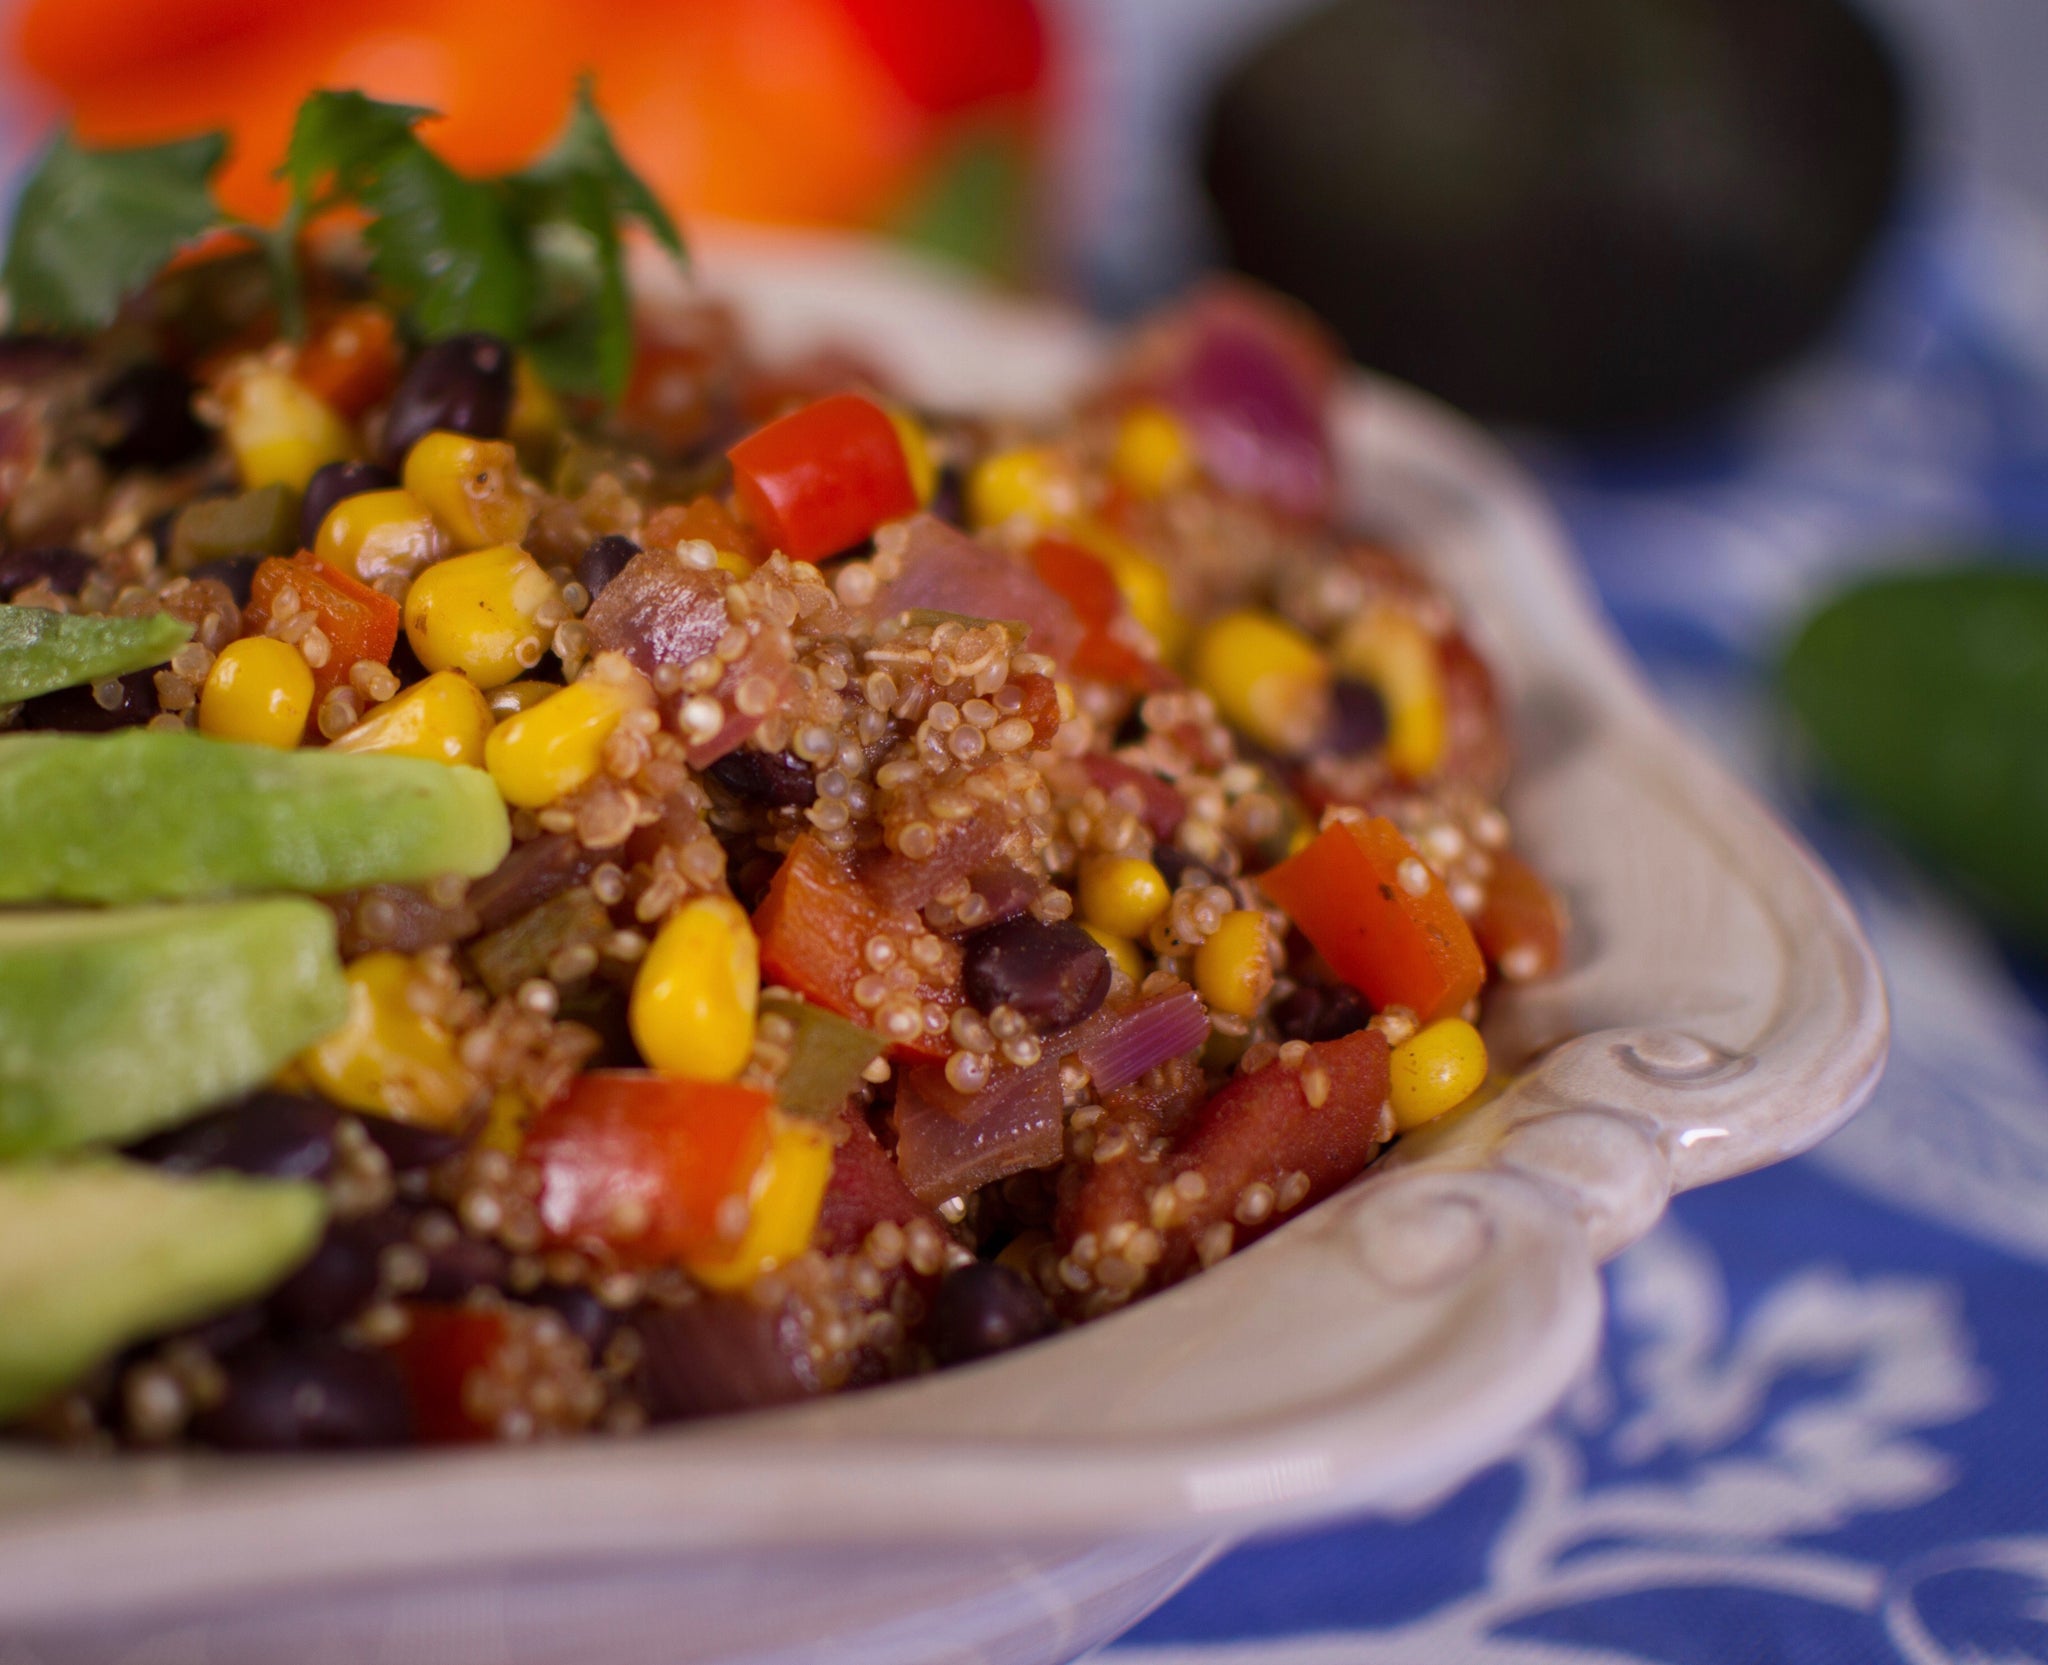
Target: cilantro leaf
{"points": [[94, 226], [342, 140], [586, 151], [447, 247]]}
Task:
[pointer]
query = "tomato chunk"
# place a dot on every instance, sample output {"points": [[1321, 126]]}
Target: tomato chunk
{"points": [[1521, 928], [822, 478], [359, 622], [646, 1164], [814, 924], [1396, 945], [440, 1350]]}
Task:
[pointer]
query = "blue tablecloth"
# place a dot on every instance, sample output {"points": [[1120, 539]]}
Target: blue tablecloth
{"points": [[1815, 1433]]}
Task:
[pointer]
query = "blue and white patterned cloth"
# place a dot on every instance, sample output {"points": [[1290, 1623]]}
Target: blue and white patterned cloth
{"points": [[1816, 1433]]}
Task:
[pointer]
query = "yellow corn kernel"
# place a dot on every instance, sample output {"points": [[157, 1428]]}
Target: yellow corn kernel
{"points": [[1266, 678], [783, 1211], [470, 486], [1398, 657], [259, 689], [1029, 481], [1123, 895], [736, 564], [1122, 952], [443, 719], [378, 533], [280, 431], [1146, 588], [386, 1057], [1434, 1071], [1234, 967], [477, 613], [535, 420], [917, 453], [1152, 454], [695, 994], [546, 752], [504, 1123]]}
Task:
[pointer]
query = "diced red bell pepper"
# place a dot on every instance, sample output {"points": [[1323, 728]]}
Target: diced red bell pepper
{"points": [[352, 360], [1083, 580], [1521, 928], [707, 519], [359, 622], [442, 1347], [644, 1163], [815, 922], [1396, 946], [951, 55], [822, 478]]}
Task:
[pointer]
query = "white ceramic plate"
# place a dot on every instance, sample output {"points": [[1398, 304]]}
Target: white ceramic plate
{"points": [[1721, 1011]]}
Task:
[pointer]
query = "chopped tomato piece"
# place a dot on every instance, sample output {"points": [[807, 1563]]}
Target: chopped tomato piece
{"points": [[814, 925], [352, 361], [706, 518], [822, 478], [646, 1164], [1083, 580], [442, 1347], [1521, 928], [1362, 895], [359, 622]]}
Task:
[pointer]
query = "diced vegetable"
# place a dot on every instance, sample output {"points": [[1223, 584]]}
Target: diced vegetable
{"points": [[513, 953], [356, 622], [1122, 1044], [827, 1057], [1521, 928], [696, 991], [352, 360], [866, 1189], [822, 478], [41, 650], [948, 572], [1084, 581], [1390, 650], [723, 1354], [264, 521], [783, 1211], [814, 925], [441, 1348], [653, 1167], [1016, 1125], [1374, 910]]}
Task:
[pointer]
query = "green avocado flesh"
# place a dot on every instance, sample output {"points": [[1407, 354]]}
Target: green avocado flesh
{"points": [[113, 1024], [42, 651], [96, 1254], [143, 816]]}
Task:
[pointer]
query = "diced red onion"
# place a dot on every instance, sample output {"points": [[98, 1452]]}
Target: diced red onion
{"points": [[1016, 1124], [1119, 1047], [948, 571], [1163, 808], [658, 611], [865, 1190], [963, 847]]}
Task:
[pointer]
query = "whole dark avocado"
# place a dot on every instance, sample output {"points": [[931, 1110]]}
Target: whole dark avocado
{"points": [[1586, 215]]}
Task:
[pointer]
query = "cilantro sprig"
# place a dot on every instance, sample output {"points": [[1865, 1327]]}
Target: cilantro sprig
{"points": [[536, 257]]}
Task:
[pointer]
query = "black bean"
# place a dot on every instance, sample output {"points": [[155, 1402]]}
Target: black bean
{"points": [[1174, 863], [722, 1353], [330, 484], [1358, 718], [1054, 975], [1321, 1012], [147, 409], [603, 561], [587, 1318], [984, 1309], [238, 572], [757, 777], [463, 384], [405, 663], [75, 711], [409, 1149], [64, 570], [457, 1267], [338, 1280], [308, 1394], [269, 1133]]}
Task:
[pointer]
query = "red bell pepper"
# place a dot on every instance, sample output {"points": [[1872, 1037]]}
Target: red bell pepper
{"points": [[822, 478], [646, 1164], [813, 925], [1396, 946], [1083, 580], [359, 622]]}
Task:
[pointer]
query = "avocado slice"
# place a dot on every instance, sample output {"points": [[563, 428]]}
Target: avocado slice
{"points": [[143, 816], [113, 1024], [96, 1254], [42, 651]]}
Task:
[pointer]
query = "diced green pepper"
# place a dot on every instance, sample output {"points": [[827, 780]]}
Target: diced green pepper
{"points": [[521, 950], [260, 522], [826, 1059]]}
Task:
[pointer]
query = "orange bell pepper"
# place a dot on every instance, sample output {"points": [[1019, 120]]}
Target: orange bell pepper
{"points": [[359, 622], [352, 359], [647, 1165], [1397, 945], [1521, 929]]}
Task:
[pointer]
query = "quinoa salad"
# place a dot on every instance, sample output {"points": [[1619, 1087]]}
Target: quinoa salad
{"points": [[546, 895]]}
